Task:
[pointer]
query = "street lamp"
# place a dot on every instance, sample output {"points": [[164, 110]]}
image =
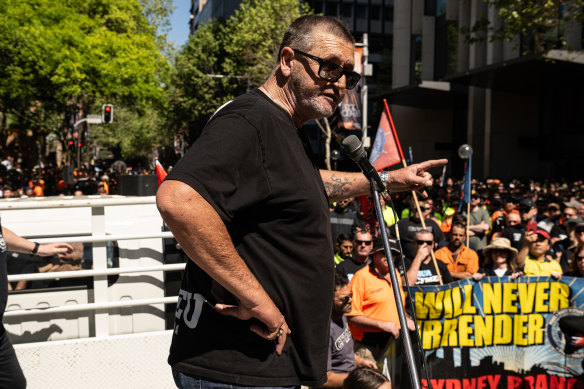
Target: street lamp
{"points": [[465, 151]]}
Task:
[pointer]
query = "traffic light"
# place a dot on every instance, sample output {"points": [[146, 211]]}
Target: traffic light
{"points": [[107, 113]]}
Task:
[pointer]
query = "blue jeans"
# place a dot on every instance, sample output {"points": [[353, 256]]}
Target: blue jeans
{"points": [[185, 381]]}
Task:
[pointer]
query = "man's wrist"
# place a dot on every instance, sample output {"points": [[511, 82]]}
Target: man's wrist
{"points": [[384, 175], [35, 248]]}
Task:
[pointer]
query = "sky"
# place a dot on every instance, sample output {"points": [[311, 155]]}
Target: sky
{"points": [[179, 22]]}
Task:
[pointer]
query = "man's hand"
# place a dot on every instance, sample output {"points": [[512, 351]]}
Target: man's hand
{"points": [[275, 327], [389, 326], [414, 177], [530, 237], [362, 362], [423, 252], [60, 249], [411, 324], [478, 276]]}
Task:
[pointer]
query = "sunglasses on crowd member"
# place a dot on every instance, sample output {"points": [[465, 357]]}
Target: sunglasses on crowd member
{"points": [[499, 251], [365, 242], [421, 242], [579, 231], [331, 72], [578, 258], [347, 298]]}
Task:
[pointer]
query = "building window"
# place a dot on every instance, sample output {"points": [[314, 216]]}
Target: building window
{"points": [[375, 12], [317, 6], [362, 11], [388, 14], [347, 10], [332, 9]]}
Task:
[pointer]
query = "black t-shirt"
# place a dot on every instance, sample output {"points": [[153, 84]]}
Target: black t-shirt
{"points": [[256, 170], [427, 273], [515, 236], [349, 267], [407, 232]]}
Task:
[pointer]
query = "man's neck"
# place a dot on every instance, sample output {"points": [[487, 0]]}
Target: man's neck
{"points": [[540, 258], [360, 259], [454, 249], [276, 89], [336, 316]]}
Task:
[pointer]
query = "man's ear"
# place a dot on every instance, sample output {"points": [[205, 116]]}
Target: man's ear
{"points": [[286, 56]]}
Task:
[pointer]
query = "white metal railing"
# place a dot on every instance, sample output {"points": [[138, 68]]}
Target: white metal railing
{"points": [[93, 272], [91, 306], [74, 202], [100, 271]]}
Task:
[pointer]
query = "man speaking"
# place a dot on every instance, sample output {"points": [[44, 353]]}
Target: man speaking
{"points": [[249, 206]]}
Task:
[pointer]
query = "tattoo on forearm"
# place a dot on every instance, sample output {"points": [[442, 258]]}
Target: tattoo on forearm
{"points": [[337, 187]]}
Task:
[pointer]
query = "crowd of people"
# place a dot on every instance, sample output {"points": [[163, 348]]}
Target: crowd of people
{"points": [[102, 179], [512, 230]]}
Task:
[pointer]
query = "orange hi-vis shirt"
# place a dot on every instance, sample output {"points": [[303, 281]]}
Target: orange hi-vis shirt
{"points": [[467, 260], [372, 297]]}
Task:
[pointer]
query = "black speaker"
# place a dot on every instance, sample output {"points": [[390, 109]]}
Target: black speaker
{"points": [[138, 185], [69, 174]]}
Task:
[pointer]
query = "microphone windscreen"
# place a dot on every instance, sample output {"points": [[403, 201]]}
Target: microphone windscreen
{"points": [[353, 147]]}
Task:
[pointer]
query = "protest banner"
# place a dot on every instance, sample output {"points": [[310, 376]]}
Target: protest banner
{"points": [[503, 333]]}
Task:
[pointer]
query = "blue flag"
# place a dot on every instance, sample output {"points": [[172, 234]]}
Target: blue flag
{"points": [[466, 187]]}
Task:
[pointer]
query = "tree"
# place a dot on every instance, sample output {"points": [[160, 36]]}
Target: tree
{"points": [[541, 22], [61, 60], [225, 58]]}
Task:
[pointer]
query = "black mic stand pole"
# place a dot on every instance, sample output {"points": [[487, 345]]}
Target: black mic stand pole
{"points": [[375, 190]]}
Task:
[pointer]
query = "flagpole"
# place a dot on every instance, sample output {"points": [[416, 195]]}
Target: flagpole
{"points": [[401, 155]]}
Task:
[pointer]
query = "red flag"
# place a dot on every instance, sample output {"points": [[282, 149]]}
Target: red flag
{"points": [[160, 172], [385, 150]]}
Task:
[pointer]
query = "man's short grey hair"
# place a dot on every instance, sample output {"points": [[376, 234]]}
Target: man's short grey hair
{"points": [[424, 232], [299, 35]]}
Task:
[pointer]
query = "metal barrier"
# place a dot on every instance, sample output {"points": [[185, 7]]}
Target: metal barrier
{"points": [[100, 271]]}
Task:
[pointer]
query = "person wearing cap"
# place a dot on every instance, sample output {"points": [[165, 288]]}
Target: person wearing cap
{"points": [[373, 319], [533, 256], [422, 270], [341, 356], [551, 218], [509, 205], [527, 210], [499, 260]]}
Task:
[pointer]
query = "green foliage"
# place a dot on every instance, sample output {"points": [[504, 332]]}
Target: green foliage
{"points": [[540, 22], [132, 136], [243, 50], [60, 58]]}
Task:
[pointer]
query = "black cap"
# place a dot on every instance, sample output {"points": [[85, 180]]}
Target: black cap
{"points": [[378, 245], [527, 202]]}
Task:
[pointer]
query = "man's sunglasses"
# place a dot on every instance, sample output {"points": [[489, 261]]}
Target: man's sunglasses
{"points": [[346, 298], [331, 72], [421, 242], [365, 242]]}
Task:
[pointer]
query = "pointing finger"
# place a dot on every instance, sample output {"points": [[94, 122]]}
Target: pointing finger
{"points": [[423, 166]]}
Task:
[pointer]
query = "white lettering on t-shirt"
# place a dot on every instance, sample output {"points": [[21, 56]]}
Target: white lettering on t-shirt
{"points": [[194, 306], [343, 339]]}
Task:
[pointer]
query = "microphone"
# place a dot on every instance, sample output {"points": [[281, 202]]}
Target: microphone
{"points": [[354, 149]]}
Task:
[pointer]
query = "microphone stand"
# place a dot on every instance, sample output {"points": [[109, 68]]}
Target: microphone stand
{"points": [[375, 190]]}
